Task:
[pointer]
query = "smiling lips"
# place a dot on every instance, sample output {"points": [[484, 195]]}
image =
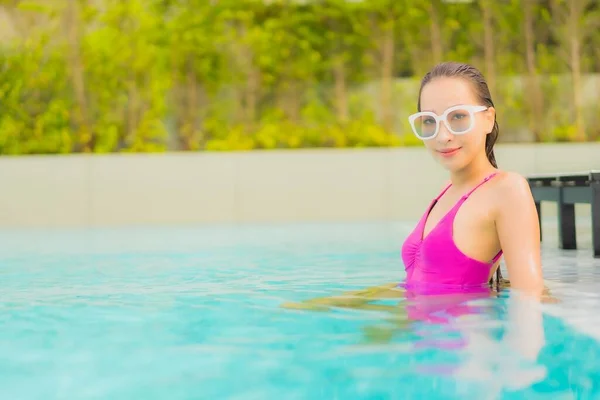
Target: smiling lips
{"points": [[448, 152]]}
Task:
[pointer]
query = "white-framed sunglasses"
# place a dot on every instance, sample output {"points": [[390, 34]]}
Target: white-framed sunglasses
{"points": [[458, 119]]}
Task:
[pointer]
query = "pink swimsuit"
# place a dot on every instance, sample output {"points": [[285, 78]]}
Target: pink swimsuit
{"points": [[435, 263]]}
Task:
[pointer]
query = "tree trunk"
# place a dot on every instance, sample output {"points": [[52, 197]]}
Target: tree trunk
{"points": [[81, 113], [488, 48], [437, 51], [132, 104], [252, 94], [534, 90], [190, 133], [341, 96], [248, 93], [575, 62], [387, 75], [289, 99]]}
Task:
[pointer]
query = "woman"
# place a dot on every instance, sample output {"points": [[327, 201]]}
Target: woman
{"points": [[483, 213], [480, 215]]}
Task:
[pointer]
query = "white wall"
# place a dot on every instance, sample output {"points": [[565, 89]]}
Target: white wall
{"points": [[257, 186]]}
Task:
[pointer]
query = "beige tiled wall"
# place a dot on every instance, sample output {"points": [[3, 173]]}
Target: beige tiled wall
{"points": [[271, 186]]}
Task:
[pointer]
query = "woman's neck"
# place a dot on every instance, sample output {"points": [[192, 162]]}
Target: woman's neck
{"points": [[472, 173]]}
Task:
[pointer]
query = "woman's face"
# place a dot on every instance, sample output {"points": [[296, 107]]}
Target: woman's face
{"points": [[454, 151]]}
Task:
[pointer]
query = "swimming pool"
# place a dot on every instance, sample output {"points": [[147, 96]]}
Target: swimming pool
{"points": [[195, 313]]}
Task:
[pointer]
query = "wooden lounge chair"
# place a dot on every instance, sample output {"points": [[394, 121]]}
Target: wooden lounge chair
{"points": [[568, 189]]}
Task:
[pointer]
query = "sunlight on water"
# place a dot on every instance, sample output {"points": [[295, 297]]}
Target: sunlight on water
{"points": [[197, 313]]}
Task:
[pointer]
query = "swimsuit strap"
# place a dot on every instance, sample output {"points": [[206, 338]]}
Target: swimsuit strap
{"points": [[463, 198], [497, 257], [487, 178], [442, 192]]}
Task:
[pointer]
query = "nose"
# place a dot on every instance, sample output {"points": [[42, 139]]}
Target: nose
{"points": [[444, 135]]}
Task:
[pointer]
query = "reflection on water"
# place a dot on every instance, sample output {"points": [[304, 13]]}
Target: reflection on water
{"points": [[496, 337], [226, 312]]}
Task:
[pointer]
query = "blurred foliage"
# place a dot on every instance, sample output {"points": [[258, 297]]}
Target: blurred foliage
{"points": [[158, 75]]}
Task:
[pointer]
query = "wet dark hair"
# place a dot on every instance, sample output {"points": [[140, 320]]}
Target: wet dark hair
{"points": [[479, 84], [468, 72]]}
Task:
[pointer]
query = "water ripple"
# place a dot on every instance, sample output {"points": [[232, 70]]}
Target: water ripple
{"points": [[196, 313]]}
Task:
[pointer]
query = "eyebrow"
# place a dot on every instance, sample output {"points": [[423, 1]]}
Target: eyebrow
{"points": [[453, 105]]}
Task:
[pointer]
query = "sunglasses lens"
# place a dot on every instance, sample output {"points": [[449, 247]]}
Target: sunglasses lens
{"points": [[459, 120], [425, 126]]}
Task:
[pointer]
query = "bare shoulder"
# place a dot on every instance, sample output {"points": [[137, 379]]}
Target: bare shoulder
{"points": [[511, 178], [512, 190]]}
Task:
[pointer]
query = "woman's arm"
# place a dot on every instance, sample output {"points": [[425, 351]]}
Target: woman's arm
{"points": [[353, 299], [519, 234]]}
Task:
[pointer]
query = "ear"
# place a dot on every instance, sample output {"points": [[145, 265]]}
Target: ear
{"points": [[490, 116]]}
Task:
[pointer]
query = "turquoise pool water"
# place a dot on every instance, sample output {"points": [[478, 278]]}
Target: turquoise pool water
{"points": [[195, 313]]}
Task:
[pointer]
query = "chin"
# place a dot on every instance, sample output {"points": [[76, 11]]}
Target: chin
{"points": [[452, 164], [451, 168]]}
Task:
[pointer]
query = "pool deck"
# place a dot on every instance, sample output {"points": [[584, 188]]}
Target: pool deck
{"points": [[573, 276], [570, 266]]}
